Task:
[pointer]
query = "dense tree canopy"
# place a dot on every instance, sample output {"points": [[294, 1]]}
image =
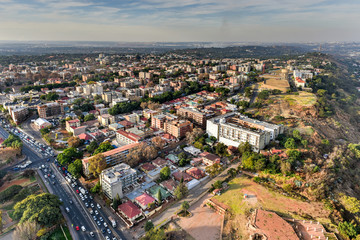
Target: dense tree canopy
{"points": [[43, 208]]}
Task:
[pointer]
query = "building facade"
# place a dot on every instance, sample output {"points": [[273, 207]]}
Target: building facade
{"points": [[233, 129], [113, 180]]}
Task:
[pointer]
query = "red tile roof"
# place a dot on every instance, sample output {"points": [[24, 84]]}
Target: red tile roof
{"points": [[114, 151], [144, 199], [131, 136], [129, 209], [85, 136], [179, 174], [273, 226], [147, 167], [195, 172]]}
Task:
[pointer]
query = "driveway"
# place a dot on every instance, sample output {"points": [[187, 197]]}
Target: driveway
{"points": [[204, 223]]}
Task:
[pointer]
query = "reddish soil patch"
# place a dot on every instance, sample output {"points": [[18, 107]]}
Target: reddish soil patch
{"points": [[13, 182], [204, 224]]}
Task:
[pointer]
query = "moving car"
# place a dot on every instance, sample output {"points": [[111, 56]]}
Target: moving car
{"points": [[77, 228]]}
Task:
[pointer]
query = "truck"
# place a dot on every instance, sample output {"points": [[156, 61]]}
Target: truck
{"points": [[113, 222]]}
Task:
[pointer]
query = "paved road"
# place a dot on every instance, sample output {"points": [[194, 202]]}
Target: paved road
{"points": [[77, 215], [255, 93]]}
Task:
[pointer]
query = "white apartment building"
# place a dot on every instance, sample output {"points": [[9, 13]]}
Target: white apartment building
{"points": [[233, 129], [113, 180]]}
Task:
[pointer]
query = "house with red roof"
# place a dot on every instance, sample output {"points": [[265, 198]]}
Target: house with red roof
{"points": [[179, 175], [130, 211], [299, 82], [195, 173], [85, 137], [169, 185], [144, 201], [147, 167], [159, 162]]}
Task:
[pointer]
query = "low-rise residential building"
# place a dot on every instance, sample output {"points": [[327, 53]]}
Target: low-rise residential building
{"points": [[72, 124], [144, 201], [123, 137], [209, 158], [41, 123], [196, 173], [113, 180], [130, 211]]}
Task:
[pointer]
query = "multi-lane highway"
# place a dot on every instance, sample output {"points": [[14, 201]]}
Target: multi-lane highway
{"points": [[76, 215], [74, 209]]}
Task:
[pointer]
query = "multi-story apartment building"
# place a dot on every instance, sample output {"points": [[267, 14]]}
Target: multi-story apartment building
{"points": [[158, 121], [233, 129], [50, 109], [193, 115], [145, 75], [123, 137], [112, 157], [19, 114], [178, 128], [72, 124], [114, 180]]}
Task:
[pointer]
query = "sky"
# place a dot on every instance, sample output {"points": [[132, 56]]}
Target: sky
{"points": [[180, 20]]}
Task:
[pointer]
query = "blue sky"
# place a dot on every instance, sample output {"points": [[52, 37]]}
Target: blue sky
{"points": [[180, 20]]}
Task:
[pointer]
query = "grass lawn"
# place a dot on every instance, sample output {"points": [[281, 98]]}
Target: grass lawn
{"points": [[58, 234]]}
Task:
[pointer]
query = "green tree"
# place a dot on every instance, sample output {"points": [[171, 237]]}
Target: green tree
{"points": [[185, 206], [290, 143], [296, 134], [103, 147], [92, 147], [116, 202], [221, 149], [148, 226], [348, 229], [232, 172], [244, 147], [214, 169], [75, 168], [217, 184], [96, 188], [304, 143], [69, 155], [89, 117], [181, 190], [165, 173], [43, 208]]}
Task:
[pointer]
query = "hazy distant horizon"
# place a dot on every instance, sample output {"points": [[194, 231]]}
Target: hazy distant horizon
{"points": [[280, 21]]}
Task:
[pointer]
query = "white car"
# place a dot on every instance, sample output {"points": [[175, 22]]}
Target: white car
{"points": [[98, 206], [105, 224], [96, 212], [83, 228]]}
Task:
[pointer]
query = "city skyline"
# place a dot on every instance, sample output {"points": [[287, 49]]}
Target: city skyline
{"points": [[189, 20]]}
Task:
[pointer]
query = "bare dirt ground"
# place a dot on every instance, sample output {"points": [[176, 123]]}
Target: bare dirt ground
{"points": [[204, 224], [13, 182]]}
